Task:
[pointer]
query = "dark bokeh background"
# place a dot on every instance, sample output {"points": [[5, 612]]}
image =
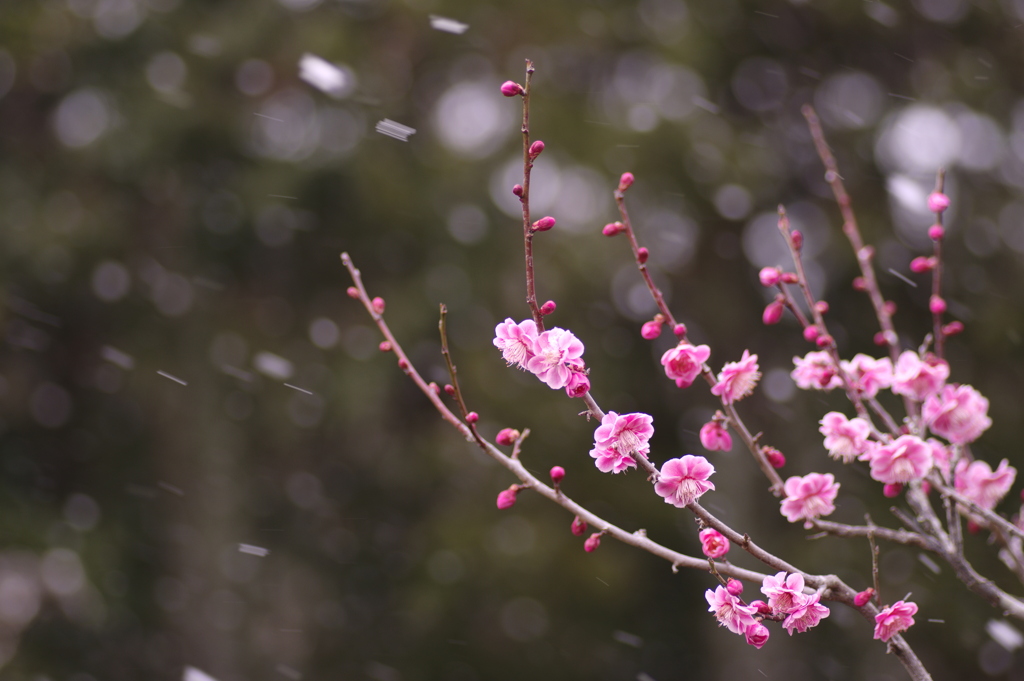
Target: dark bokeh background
{"points": [[173, 198]]}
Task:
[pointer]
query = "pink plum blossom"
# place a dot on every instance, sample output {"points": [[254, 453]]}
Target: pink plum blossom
{"points": [[683, 481], [809, 496], [958, 413], [785, 593], [896, 618], [868, 375], [684, 362], [737, 379], [906, 458], [715, 437], [619, 436], [554, 357], [713, 543], [578, 385], [845, 439], [729, 610], [756, 634], [941, 456], [917, 378], [807, 615], [516, 341], [979, 483], [611, 460], [815, 371]]}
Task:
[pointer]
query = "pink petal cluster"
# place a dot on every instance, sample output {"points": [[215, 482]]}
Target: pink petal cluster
{"points": [[896, 618], [730, 611], [714, 436], [786, 597], [683, 481], [845, 439], [906, 458], [979, 483], [737, 379], [918, 378], [713, 543], [619, 436], [958, 413], [815, 371], [808, 615], [684, 362], [516, 341], [555, 357], [809, 496], [868, 375]]}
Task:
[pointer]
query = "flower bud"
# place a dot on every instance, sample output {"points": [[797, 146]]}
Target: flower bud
{"points": [[776, 459], [859, 284], [403, 364], [714, 437], [613, 228], [507, 497], [435, 387], [863, 597], [936, 304], [579, 384], [879, 339], [926, 487], [517, 189], [548, 307], [936, 232], [506, 436], [938, 202], [536, 148], [679, 330], [973, 527], [378, 305], [761, 607], [952, 329], [892, 489], [450, 389], [922, 264], [642, 254], [734, 586], [821, 306], [578, 527], [385, 346], [544, 224], [773, 312], [798, 239], [789, 278], [650, 330], [625, 181], [472, 417], [823, 341], [557, 474], [889, 307], [593, 541], [352, 292], [811, 333], [769, 276], [510, 88]]}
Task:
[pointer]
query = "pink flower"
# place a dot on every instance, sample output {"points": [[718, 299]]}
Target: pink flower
{"points": [[808, 615], [729, 610], [815, 371], [737, 379], [941, 456], [684, 480], [713, 543], [756, 634], [619, 436], [979, 483], [906, 458], [578, 385], [715, 437], [958, 413], [611, 460], [868, 375], [554, 355], [684, 362], [785, 594], [845, 439], [896, 618], [917, 378], [809, 496], [516, 341]]}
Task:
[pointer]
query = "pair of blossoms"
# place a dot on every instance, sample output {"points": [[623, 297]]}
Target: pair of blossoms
{"points": [[797, 610]]}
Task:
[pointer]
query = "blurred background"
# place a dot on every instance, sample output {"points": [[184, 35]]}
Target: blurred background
{"points": [[205, 462]]}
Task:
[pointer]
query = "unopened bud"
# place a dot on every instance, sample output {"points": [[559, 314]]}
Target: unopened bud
{"points": [[937, 304], [952, 329], [625, 181], [811, 333], [472, 417], [889, 307], [385, 346], [557, 474], [642, 254], [435, 387], [403, 364], [578, 527], [517, 189], [613, 228], [879, 339], [769, 276], [734, 586], [921, 264], [506, 436], [593, 541], [510, 88], [450, 389], [859, 284], [798, 239], [761, 607], [862, 598], [926, 487], [823, 341], [821, 306], [352, 292], [548, 307], [507, 497], [579, 384], [775, 458], [536, 148], [679, 330], [866, 252], [973, 527], [544, 224], [790, 278], [773, 312], [650, 330], [378, 305], [938, 202], [936, 232], [892, 489]]}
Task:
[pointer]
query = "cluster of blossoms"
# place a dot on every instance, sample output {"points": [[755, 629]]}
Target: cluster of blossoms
{"points": [[553, 356], [786, 601]]}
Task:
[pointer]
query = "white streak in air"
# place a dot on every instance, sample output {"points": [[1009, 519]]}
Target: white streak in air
{"points": [[274, 366], [397, 130], [115, 356], [295, 387], [172, 378], [193, 674], [270, 117], [705, 104], [253, 550], [900, 276], [170, 488], [331, 79], [285, 670], [447, 25]]}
